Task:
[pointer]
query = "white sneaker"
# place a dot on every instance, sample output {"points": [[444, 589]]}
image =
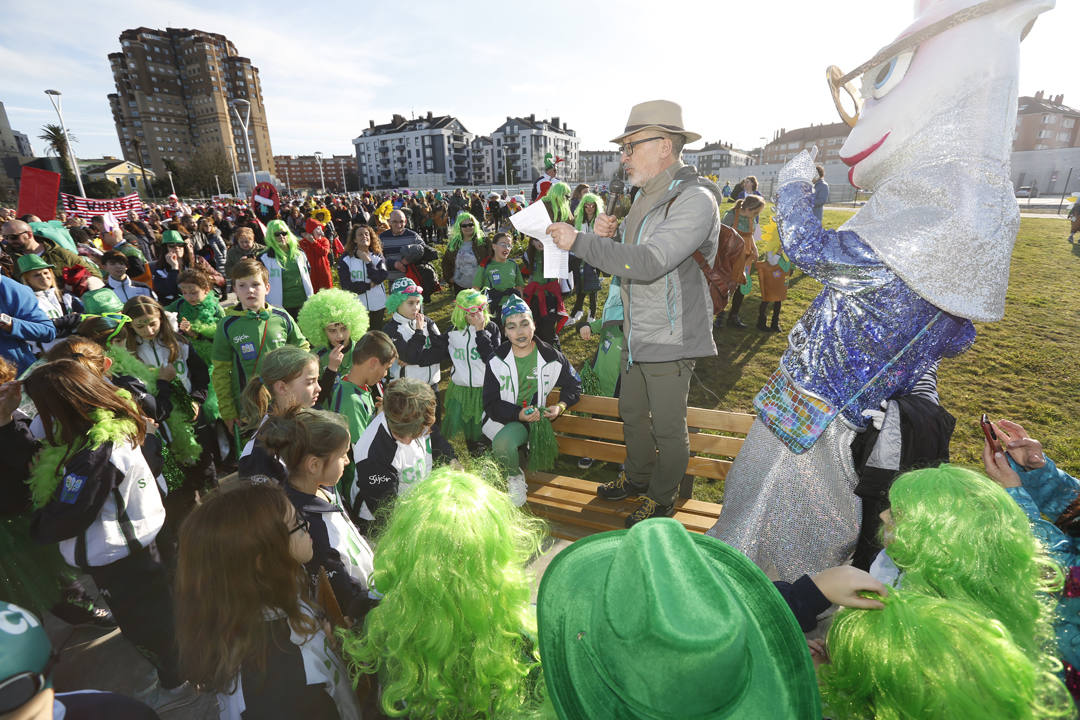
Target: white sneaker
{"points": [[575, 317], [518, 490]]}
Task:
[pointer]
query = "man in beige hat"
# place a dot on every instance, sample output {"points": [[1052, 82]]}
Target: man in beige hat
{"points": [[667, 317]]}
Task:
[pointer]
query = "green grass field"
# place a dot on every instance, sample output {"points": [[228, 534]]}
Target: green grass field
{"points": [[1022, 368]]}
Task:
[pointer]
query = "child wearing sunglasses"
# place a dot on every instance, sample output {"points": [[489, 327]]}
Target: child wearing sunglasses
{"points": [[466, 251]]}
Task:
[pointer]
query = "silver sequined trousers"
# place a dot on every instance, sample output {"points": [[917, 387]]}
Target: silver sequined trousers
{"points": [[792, 514]]}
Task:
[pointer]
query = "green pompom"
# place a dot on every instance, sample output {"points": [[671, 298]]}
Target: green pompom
{"points": [[543, 447], [590, 381]]}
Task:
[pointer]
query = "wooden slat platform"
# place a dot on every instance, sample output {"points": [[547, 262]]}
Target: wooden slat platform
{"points": [[571, 506]]}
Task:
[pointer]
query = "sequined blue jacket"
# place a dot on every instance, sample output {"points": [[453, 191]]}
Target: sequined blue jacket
{"points": [[867, 336], [1048, 491]]}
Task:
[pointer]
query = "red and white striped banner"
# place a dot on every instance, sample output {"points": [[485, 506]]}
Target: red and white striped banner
{"points": [[89, 207]]}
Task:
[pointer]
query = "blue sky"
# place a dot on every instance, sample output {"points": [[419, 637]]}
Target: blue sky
{"points": [[741, 71]]}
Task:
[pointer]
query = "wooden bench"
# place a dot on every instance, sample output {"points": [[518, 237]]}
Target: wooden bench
{"points": [[570, 504]]}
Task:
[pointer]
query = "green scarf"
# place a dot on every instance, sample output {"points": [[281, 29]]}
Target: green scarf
{"points": [[50, 460]]}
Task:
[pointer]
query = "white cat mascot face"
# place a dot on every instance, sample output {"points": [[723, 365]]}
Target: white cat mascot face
{"points": [[932, 141]]}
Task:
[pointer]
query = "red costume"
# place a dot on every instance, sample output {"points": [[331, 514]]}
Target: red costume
{"points": [[317, 249]]}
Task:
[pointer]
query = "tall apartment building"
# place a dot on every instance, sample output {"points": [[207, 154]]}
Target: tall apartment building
{"points": [[522, 142], [301, 172], [786, 144], [482, 161], [598, 165], [173, 89], [422, 152], [1044, 123]]}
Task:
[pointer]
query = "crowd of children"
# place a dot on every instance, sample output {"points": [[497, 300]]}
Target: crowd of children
{"points": [[353, 568]]}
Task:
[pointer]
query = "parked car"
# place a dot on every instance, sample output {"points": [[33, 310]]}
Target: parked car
{"points": [[1027, 191]]}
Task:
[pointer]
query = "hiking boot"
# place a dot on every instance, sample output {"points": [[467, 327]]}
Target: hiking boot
{"points": [[648, 509], [618, 489]]}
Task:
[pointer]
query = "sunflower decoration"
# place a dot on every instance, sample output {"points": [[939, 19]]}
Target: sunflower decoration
{"points": [[322, 215]]}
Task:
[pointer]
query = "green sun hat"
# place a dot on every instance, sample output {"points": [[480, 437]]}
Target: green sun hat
{"points": [[32, 261], [172, 237], [101, 301], [25, 651], [656, 622]]}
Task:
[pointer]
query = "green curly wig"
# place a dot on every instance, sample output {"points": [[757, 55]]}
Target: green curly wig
{"points": [[454, 237], [449, 637], [468, 298], [928, 658], [960, 536], [579, 214], [331, 305], [557, 199]]}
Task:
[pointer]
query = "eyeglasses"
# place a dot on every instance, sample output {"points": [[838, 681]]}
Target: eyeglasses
{"points": [[18, 690], [470, 309], [12, 236], [467, 225], [885, 70], [302, 525], [627, 149], [282, 234]]}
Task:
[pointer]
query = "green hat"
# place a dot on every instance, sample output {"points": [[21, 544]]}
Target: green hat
{"points": [[54, 231], [654, 622], [24, 648], [172, 237], [101, 301], [32, 261]]}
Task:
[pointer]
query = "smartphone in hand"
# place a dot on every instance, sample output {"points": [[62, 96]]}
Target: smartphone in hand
{"points": [[991, 434]]}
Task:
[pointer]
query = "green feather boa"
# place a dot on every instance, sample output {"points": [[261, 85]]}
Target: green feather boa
{"points": [[184, 447], [590, 381], [50, 460]]}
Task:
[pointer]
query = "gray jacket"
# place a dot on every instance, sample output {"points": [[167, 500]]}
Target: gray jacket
{"points": [[667, 307]]}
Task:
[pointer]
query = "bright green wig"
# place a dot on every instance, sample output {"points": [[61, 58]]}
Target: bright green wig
{"points": [[454, 237], [960, 536], [400, 292], [558, 199], [928, 658], [331, 305], [285, 253], [448, 639], [579, 214], [465, 299]]}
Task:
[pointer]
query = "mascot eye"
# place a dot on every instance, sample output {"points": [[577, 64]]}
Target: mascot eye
{"points": [[880, 81]]}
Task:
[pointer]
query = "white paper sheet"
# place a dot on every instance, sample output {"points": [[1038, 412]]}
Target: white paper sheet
{"points": [[534, 222]]}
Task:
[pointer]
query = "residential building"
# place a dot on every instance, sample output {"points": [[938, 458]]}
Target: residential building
{"points": [[482, 162], [599, 165], [1044, 123], [717, 158], [522, 142], [786, 144], [126, 174], [22, 142], [432, 150], [173, 90], [301, 172]]}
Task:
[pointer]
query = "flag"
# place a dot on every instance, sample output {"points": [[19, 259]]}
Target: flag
{"points": [[37, 193], [89, 207]]}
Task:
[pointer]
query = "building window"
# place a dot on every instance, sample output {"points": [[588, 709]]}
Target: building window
{"points": [[1068, 122]]}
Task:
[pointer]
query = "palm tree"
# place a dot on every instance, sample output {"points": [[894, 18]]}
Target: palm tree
{"points": [[54, 138]]}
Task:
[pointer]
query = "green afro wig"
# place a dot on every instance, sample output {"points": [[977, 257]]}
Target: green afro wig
{"points": [[455, 238], [579, 214], [928, 658], [448, 637], [332, 305], [468, 298], [558, 200]]}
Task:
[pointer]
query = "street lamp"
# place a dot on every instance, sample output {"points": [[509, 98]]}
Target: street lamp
{"points": [[173, 187], [322, 180], [344, 185], [57, 101], [236, 105], [218, 185], [232, 163]]}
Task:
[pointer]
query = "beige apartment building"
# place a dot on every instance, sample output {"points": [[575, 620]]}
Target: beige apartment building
{"points": [[173, 89], [1045, 123]]}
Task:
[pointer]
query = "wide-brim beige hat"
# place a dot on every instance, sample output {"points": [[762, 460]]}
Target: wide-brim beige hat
{"points": [[656, 115]]}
